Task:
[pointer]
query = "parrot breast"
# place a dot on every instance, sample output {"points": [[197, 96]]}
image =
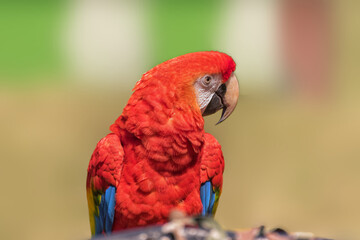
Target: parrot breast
{"points": [[161, 170]]}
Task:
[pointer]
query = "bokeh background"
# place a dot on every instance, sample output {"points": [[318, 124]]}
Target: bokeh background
{"points": [[292, 146]]}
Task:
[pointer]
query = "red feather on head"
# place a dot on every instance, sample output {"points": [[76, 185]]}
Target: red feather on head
{"points": [[186, 68], [174, 78]]}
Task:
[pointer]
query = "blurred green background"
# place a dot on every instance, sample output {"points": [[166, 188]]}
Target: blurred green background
{"points": [[291, 147]]}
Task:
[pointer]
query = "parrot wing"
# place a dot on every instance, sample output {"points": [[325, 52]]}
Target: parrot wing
{"points": [[212, 168], [103, 175]]}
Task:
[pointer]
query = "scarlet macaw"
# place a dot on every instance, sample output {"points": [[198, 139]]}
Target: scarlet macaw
{"points": [[157, 156]]}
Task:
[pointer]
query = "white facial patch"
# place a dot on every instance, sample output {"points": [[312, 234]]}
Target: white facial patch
{"points": [[205, 90]]}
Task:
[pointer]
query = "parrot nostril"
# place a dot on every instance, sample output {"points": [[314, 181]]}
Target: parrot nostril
{"points": [[221, 90]]}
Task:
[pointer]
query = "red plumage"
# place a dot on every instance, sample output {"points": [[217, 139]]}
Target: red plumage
{"points": [[158, 154]]}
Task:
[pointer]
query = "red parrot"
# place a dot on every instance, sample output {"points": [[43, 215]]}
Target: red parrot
{"points": [[158, 156]]}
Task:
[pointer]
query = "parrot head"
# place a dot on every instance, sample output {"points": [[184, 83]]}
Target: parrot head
{"points": [[203, 80]]}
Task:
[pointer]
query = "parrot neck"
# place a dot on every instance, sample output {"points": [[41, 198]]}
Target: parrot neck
{"points": [[169, 135]]}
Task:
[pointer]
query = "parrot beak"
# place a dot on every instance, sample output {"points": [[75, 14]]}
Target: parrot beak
{"points": [[224, 98]]}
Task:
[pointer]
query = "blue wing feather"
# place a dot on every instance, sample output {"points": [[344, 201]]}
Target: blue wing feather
{"points": [[105, 220], [207, 196]]}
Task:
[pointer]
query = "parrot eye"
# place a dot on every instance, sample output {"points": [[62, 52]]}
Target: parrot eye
{"points": [[206, 80]]}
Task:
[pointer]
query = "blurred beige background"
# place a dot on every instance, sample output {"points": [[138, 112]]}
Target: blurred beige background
{"points": [[291, 150]]}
